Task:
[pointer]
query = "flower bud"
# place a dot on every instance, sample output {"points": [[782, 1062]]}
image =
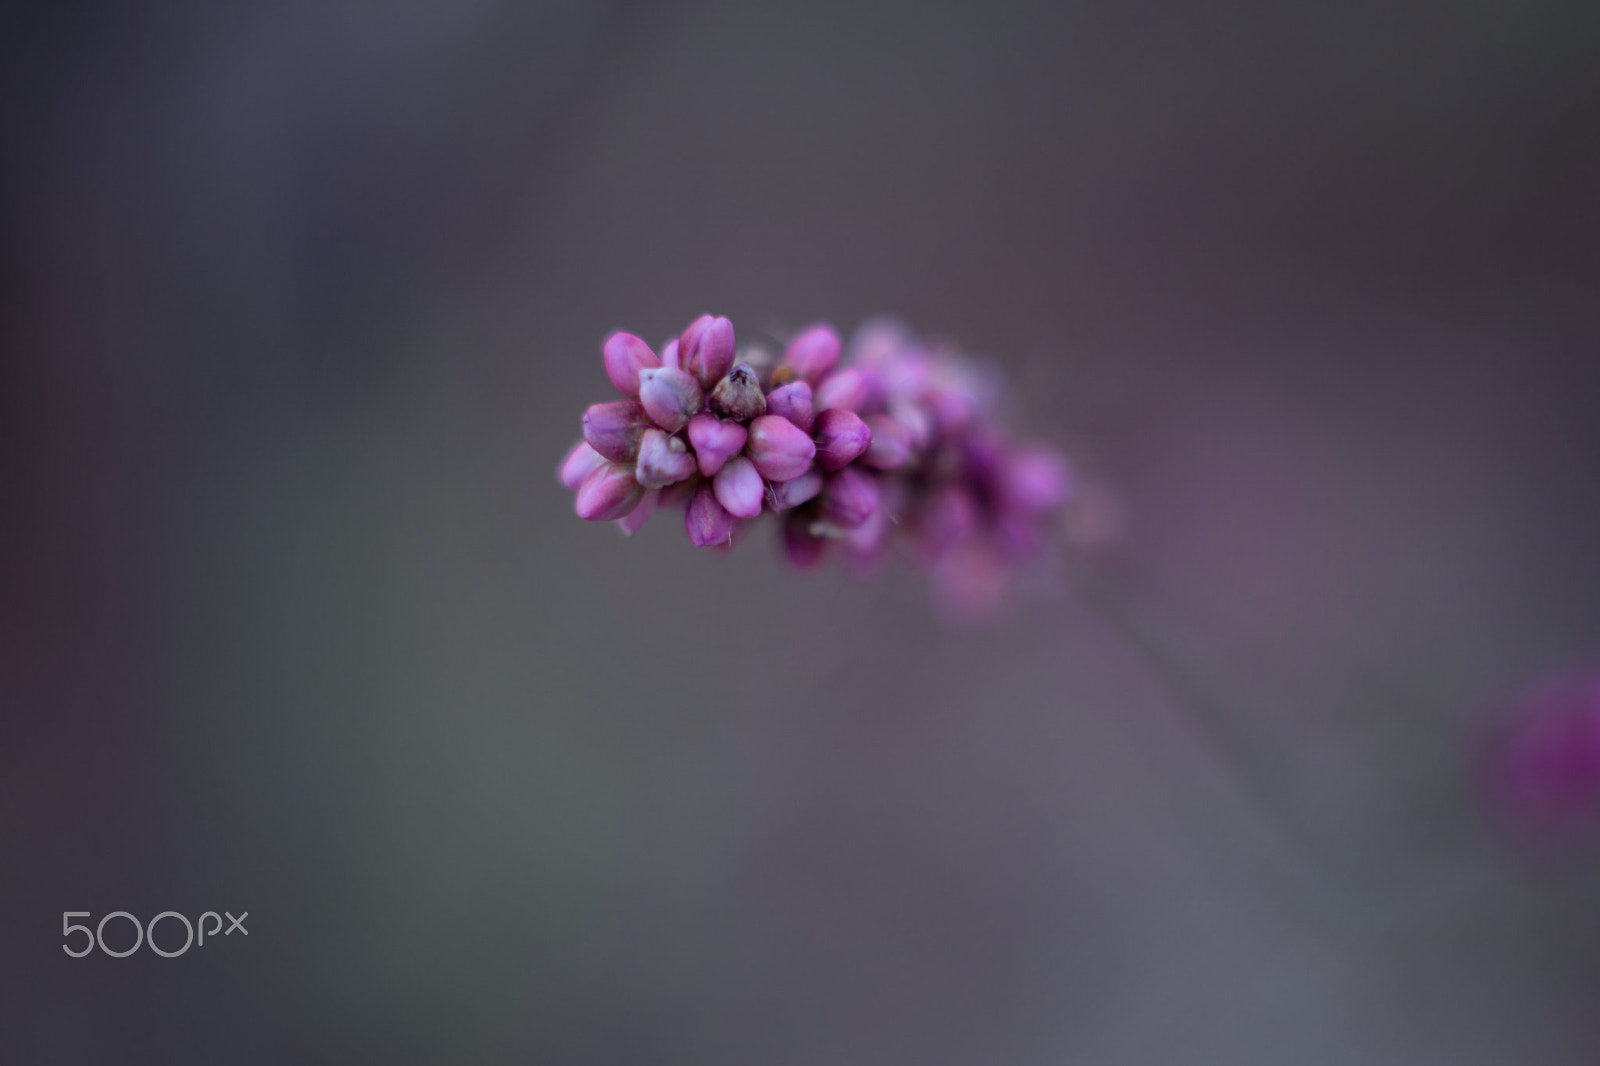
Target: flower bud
{"points": [[865, 542], [946, 519], [850, 497], [1035, 479], [663, 460], [609, 492], [793, 401], [625, 355], [803, 548], [916, 421], [778, 448], [706, 349], [786, 495], [613, 429], [580, 462], [633, 520], [680, 493], [841, 437], [669, 354], [813, 353], [853, 389], [706, 520], [714, 441], [670, 396], [891, 444], [738, 395], [739, 488]]}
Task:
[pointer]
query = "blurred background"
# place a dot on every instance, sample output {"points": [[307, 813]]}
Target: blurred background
{"points": [[301, 307]]}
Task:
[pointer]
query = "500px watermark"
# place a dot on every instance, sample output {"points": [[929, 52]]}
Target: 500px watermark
{"points": [[145, 933]]}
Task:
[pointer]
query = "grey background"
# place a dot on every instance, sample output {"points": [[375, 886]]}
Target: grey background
{"points": [[302, 305]]}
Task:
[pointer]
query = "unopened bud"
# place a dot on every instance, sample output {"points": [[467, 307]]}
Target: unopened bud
{"points": [[794, 402], [706, 349], [891, 444], [1035, 479], [739, 488], [778, 448], [738, 395], [581, 461], [714, 441], [670, 396], [803, 548], [663, 460], [625, 355], [614, 429], [786, 495], [634, 519], [841, 437], [853, 389], [813, 353], [706, 520], [609, 492], [850, 497]]}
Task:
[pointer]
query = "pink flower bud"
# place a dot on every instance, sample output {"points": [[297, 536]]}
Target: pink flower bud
{"points": [[738, 395], [916, 420], [946, 520], [786, 495], [850, 497], [738, 487], [714, 441], [625, 355], [891, 444], [663, 460], [1035, 479], [670, 396], [853, 389], [841, 437], [581, 461], [813, 353], [609, 492], [779, 448], [679, 494], [614, 429], [865, 542], [633, 520], [707, 521], [803, 548], [793, 401], [706, 349], [669, 354]]}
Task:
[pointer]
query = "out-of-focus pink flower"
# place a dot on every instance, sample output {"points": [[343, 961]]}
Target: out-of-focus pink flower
{"points": [[901, 442], [1542, 772], [813, 353]]}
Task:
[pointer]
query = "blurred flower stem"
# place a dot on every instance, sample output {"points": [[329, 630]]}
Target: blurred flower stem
{"points": [[1212, 712]]}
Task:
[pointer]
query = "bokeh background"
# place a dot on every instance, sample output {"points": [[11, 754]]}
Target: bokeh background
{"points": [[302, 304]]}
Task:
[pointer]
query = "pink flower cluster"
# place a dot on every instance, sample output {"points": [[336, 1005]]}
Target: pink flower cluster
{"points": [[900, 440]]}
